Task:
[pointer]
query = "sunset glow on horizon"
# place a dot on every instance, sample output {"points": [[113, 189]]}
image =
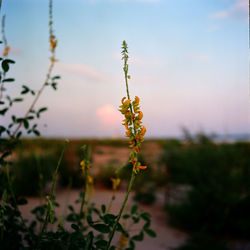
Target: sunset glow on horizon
{"points": [[188, 64]]}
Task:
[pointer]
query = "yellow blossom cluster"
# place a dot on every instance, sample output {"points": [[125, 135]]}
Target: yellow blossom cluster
{"points": [[115, 183], [135, 131], [84, 165], [53, 43]]}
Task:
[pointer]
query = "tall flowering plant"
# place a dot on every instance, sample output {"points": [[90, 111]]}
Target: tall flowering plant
{"points": [[135, 131]]}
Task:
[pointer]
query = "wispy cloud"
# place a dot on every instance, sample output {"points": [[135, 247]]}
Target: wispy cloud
{"points": [[239, 9], [87, 72]]}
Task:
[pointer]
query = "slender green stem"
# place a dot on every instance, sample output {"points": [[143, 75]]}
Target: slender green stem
{"points": [[52, 189], [121, 209], [111, 201], [84, 191]]}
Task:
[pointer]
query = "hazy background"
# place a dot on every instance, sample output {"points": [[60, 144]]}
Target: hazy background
{"points": [[188, 63]]}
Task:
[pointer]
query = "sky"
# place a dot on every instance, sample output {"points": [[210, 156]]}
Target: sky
{"points": [[188, 64]]}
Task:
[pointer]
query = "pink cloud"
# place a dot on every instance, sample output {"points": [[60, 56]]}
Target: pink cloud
{"points": [[109, 116], [239, 9]]}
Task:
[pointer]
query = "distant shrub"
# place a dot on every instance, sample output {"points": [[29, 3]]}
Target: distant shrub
{"points": [[202, 242], [32, 173], [218, 175]]}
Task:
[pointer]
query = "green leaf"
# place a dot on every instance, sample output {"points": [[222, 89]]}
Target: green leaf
{"points": [[3, 111], [9, 80], [102, 228], [101, 244], [5, 64], [103, 207], [18, 100], [1, 102], [150, 232], [146, 216], [42, 110], [109, 218], [2, 129], [13, 118], [71, 208], [75, 227], [19, 134], [131, 245], [89, 241], [138, 237], [53, 85], [26, 123], [9, 61], [134, 209], [136, 219], [25, 90], [36, 132], [55, 77], [147, 224], [125, 216], [89, 219], [121, 229]]}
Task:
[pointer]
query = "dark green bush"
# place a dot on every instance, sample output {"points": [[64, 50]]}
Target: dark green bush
{"points": [[202, 242], [32, 173], [218, 176]]}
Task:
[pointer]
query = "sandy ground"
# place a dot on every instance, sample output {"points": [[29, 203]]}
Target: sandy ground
{"points": [[167, 237]]}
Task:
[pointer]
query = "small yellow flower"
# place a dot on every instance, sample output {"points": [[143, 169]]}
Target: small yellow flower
{"points": [[90, 180], [123, 99], [6, 50], [115, 183], [82, 164], [137, 99], [53, 59], [140, 115], [123, 241]]}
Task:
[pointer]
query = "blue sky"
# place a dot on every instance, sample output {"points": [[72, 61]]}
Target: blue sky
{"points": [[188, 63]]}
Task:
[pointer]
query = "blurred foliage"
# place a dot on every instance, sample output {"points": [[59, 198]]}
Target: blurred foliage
{"points": [[218, 200], [204, 242], [32, 172]]}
